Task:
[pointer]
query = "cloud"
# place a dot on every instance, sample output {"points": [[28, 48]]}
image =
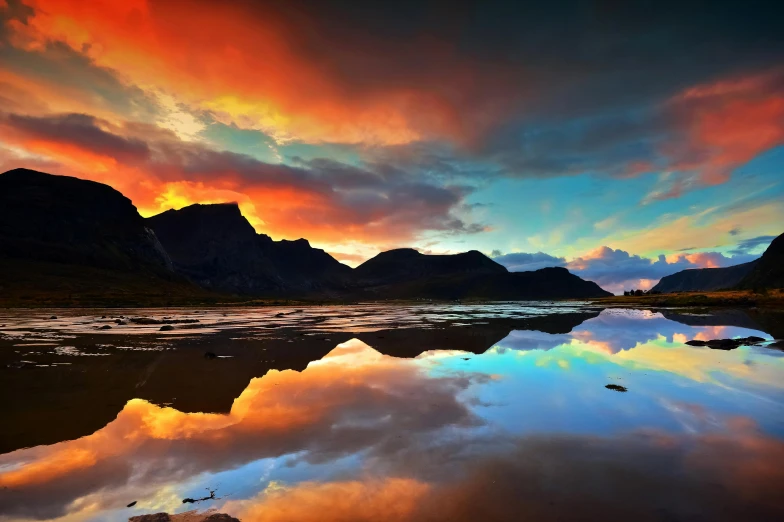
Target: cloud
{"points": [[618, 270], [705, 229], [322, 199], [410, 73], [354, 399], [401, 113], [600, 478], [48, 75], [80, 131], [417, 450], [754, 243], [522, 262], [720, 126]]}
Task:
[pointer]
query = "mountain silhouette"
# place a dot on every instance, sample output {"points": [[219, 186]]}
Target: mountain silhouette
{"points": [[704, 279], [408, 274], [768, 272], [64, 236], [763, 273], [70, 220], [217, 248], [407, 264]]}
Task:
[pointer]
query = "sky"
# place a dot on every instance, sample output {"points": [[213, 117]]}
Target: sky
{"points": [[625, 142]]}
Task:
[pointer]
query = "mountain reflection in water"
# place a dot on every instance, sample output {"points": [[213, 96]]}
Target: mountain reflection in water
{"points": [[522, 427]]}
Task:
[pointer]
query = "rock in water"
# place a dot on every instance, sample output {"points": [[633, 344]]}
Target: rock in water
{"points": [[727, 344], [184, 517]]}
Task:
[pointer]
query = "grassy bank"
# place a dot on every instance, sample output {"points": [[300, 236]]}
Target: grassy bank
{"points": [[728, 298]]}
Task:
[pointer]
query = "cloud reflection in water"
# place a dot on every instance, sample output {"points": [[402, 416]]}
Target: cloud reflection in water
{"points": [[525, 430]]}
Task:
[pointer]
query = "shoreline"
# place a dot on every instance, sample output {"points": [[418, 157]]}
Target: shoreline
{"points": [[716, 299]]}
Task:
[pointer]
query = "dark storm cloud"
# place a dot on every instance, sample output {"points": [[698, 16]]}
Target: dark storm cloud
{"points": [[572, 87], [397, 200], [361, 193], [648, 476], [543, 89], [565, 58], [753, 243], [79, 130]]}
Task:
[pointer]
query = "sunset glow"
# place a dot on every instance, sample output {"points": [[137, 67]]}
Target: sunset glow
{"points": [[369, 130]]}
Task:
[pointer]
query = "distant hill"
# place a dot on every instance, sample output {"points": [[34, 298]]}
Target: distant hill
{"points": [[407, 264], [768, 272], [63, 238], [704, 279], [408, 274], [216, 247], [546, 283], [764, 273], [69, 241]]}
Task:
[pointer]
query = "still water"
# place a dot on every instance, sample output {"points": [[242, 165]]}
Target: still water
{"points": [[381, 413]]}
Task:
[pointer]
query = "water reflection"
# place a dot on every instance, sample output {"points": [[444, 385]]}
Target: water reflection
{"points": [[523, 428]]}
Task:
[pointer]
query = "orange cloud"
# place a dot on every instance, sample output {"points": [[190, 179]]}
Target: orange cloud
{"points": [[599, 478], [727, 124], [324, 201], [390, 500], [283, 412], [248, 66]]}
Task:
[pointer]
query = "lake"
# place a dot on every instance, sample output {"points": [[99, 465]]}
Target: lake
{"points": [[391, 413]]}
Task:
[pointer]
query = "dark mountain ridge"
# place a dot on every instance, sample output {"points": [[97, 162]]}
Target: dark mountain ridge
{"points": [[704, 279], [65, 239], [406, 264], [217, 248], [768, 272], [48, 222], [70, 220]]}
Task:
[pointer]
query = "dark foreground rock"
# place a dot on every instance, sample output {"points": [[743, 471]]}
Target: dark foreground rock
{"points": [[616, 387], [149, 320], [727, 344]]}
